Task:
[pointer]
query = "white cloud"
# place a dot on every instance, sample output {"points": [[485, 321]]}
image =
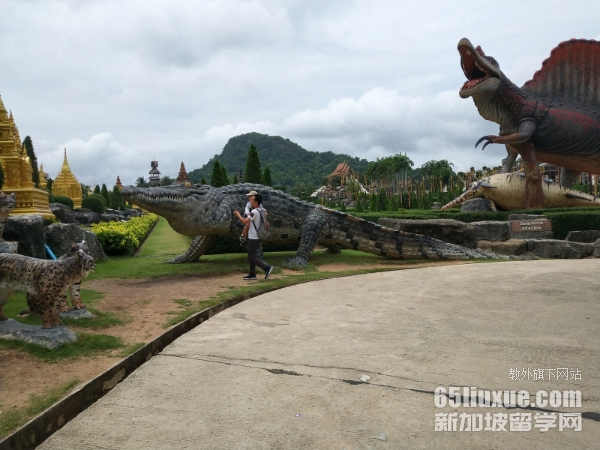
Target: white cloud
{"points": [[120, 83]]}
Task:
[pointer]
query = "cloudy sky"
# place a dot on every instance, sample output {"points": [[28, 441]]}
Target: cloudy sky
{"points": [[119, 83]]}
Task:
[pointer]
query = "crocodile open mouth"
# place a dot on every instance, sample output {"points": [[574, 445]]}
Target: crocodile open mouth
{"points": [[474, 65]]}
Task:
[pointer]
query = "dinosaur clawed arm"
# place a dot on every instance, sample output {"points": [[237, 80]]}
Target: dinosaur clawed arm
{"points": [[525, 131]]}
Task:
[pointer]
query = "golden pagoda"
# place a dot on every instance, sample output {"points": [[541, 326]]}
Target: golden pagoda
{"points": [[66, 184], [18, 170]]}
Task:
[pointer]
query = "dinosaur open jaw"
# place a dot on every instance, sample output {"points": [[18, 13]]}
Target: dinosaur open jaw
{"points": [[474, 65]]}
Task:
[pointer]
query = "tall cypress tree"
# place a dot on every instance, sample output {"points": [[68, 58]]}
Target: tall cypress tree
{"points": [[216, 179], [116, 199], [35, 175], [266, 178], [97, 190], [224, 177], [104, 192], [253, 173]]}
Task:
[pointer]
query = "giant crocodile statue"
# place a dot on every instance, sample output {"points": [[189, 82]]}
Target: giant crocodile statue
{"points": [[507, 191], [553, 118], [207, 213]]}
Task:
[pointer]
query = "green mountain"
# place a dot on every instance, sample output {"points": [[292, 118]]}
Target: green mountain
{"points": [[290, 164]]}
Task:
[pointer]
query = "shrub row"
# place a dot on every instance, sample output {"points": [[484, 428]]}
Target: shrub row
{"points": [[118, 238], [563, 219]]}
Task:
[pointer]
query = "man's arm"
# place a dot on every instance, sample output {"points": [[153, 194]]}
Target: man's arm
{"points": [[244, 220]]}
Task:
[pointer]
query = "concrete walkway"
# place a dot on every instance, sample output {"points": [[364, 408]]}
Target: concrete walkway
{"points": [[352, 363]]}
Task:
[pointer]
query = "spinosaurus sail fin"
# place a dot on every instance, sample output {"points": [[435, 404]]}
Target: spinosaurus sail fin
{"points": [[570, 73]]}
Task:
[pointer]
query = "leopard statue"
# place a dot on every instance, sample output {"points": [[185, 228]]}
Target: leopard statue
{"points": [[74, 289], [44, 281], [7, 204]]}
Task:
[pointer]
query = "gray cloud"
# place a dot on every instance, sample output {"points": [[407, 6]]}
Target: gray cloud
{"points": [[119, 83]]}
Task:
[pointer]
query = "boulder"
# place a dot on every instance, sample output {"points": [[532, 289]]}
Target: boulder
{"points": [[491, 230], [28, 231], [597, 249], [62, 212], [132, 212], [583, 236], [86, 216], [447, 230], [554, 248], [514, 247], [59, 237], [476, 204]]}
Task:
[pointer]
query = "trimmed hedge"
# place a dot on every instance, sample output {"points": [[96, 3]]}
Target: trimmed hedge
{"points": [[118, 238], [229, 245], [94, 203], [563, 222], [63, 200]]}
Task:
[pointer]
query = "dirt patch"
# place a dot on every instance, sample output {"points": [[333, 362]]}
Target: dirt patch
{"points": [[146, 303]]}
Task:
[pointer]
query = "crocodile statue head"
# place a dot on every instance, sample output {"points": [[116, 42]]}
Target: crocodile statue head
{"points": [[193, 210]]}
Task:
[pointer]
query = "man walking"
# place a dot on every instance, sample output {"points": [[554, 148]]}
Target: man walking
{"points": [[254, 220]]}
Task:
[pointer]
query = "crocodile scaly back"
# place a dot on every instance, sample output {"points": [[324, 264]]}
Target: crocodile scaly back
{"points": [[570, 74]]}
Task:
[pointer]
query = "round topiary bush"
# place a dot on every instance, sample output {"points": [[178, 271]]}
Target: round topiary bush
{"points": [[93, 203], [99, 197], [63, 200]]}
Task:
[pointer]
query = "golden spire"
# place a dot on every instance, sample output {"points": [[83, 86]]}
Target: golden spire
{"points": [[2, 108], [65, 167]]}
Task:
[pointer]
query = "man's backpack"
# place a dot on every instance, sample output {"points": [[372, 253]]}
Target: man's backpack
{"points": [[263, 228]]}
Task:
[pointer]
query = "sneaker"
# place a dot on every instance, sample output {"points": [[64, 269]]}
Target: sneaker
{"points": [[250, 278], [268, 272]]}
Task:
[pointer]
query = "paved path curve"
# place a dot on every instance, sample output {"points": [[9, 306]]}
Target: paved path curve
{"points": [[352, 363]]}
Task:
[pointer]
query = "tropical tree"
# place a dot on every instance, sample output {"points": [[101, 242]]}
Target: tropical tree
{"points": [[140, 182], [166, 180], [35, 175], [253, 173]]}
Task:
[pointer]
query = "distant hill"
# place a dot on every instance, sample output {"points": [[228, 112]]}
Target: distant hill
{"points": [[289, 163]]}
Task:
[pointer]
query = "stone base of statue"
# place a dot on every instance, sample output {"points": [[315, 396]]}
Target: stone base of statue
{"points": [[77, 314], [9, 246], [34, 334]]}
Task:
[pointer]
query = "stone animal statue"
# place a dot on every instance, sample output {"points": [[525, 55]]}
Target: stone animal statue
{"points": [[44, 281], [506, 191], [207, 213], [74, 289], [7, 204], [553, 118]]}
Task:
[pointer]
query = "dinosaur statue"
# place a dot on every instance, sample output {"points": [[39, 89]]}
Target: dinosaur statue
{"points": [[506, 191], [207, 213], [553, 118]]}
